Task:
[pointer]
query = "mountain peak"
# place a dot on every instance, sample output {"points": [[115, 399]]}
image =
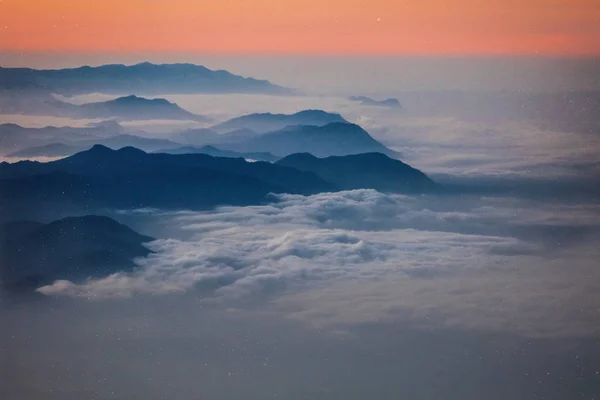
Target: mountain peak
{"points": [[99, 149], [130, 150]]}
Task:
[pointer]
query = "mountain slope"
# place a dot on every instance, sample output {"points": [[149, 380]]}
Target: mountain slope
{"points": [[363, 171], [34, 254], [268, 122], [336, 139], [144, 78]]}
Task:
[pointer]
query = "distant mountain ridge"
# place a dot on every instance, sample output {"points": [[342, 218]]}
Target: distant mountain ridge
{"points": [[142, 78], [267, 122]]}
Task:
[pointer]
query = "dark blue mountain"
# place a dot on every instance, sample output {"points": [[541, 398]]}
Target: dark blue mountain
{"points": [[34, 254], [363, 171], [268, 122], [130, 178], [335, 139], [144, 78]]}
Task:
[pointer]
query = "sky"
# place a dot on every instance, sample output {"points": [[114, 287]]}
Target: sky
{"points": [[438, 27]]}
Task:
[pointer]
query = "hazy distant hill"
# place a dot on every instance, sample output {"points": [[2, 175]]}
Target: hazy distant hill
{"points": [[34, 254], [216, 152], [204, 136], [122, 108], [335, 139], [113, 142], [130, 178], [137, 108], [48, 150], [363, 171], [144, 78], [17, 141], [126, 140], [391, 102], [14, 137], [268, 122]]}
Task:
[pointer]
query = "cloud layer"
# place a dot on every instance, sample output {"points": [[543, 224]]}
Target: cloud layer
{"points": [[359, 234]]}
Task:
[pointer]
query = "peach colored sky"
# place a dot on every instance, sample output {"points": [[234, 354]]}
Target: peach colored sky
{"points": [[551, 27]]}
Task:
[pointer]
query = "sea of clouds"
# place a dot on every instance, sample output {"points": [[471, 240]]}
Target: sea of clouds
{"points": [[349, 257]]}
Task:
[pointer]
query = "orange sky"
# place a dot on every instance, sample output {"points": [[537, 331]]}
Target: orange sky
{"points": [[303, 26]]}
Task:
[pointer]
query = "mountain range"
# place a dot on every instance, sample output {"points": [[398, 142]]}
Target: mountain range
{"points": [[101, 178], [130, 178], [33, 254], [143, 78]]}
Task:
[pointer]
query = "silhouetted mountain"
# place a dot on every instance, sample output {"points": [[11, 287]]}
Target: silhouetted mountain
{"points": [[268, 122], [34, 254], [391, 102], [131, 178], [363, 171], [336, 139], [215, 152], [144, 78]]}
